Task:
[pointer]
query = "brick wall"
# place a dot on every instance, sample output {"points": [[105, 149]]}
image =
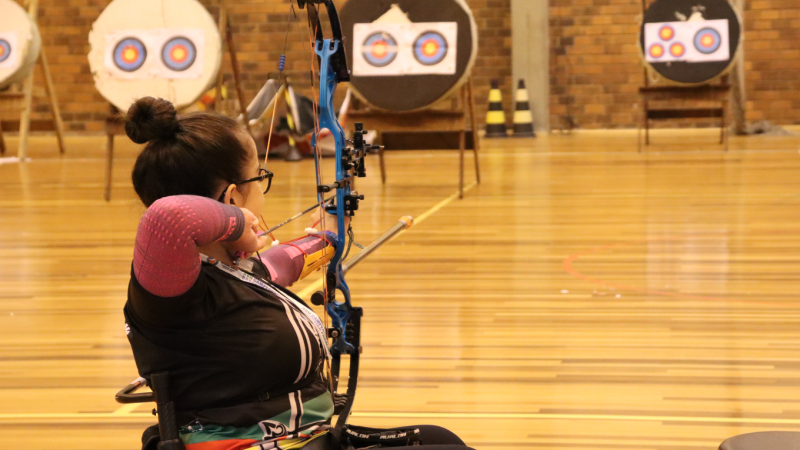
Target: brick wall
{"points": [[772, 51], [596, 69], [259, 28]]}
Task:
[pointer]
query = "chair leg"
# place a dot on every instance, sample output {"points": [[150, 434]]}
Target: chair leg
{"points": [[25, 119], [646, 126], [58, 123], [725, 137], [462, 138], [723, 124], [2, 141], [639, 132], [109, 164], [476, 140], [383, 165]]}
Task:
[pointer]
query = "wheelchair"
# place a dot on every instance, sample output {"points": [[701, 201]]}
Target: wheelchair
{"points": [[763, 440], [165, 408], [168, 429]]}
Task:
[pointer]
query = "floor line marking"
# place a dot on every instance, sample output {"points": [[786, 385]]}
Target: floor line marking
{"points": [[125, 409], [317, 285], [443, 415]]}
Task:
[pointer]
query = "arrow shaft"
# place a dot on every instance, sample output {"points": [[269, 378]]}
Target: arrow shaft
{"points": [[297, 216]]}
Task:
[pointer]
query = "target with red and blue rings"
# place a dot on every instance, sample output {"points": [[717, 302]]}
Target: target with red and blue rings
{"points": [[707, 41], [130, 54], [5, 50], [430, 48], [656, 50], [666, 32], [380, 49], [677, 50], [178, 54]]}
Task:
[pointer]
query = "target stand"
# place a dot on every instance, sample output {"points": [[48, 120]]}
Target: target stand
{"points": [[453, 119], [688, 46], [177, 54], [689, 95], [20, 51]]}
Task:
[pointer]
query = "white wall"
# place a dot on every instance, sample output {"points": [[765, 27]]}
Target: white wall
{"points": [[531, 55]]}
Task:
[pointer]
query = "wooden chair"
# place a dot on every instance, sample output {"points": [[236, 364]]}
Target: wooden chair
{"points": [[454, 119]]}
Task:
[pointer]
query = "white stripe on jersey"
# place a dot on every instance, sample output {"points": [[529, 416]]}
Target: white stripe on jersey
{"points": [[303, 347]]}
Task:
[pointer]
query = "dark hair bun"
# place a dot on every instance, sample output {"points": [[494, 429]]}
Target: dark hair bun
{"points": [[151, 119]]}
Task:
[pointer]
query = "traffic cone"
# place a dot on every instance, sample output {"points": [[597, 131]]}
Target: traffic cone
{"points": [[495, 117], [523, 120]]}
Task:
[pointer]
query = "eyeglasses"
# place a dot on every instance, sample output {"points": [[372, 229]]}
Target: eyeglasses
{"points": [[263, 174]]}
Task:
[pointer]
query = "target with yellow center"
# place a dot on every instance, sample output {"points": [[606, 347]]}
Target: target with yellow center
{"points": [[5, 50], [666, 32], [677, 50], [430, 48], [179, 53], [130, 54], [707, 41], [380, 49], [656, 50]]}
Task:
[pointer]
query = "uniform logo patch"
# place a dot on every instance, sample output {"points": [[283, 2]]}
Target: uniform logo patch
{"points": [[272, 429]]}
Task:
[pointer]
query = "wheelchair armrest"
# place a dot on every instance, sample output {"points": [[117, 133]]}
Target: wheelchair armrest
{"points": [[126, 395]]}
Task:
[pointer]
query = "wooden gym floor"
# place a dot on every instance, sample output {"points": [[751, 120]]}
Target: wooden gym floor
{"points": [[583, 296]]}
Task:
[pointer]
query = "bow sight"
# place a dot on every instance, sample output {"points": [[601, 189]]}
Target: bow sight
{"points": [[352, 162]]}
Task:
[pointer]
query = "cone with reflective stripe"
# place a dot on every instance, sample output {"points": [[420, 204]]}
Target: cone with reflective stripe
{"points": [[523, 120], [495, 117]]}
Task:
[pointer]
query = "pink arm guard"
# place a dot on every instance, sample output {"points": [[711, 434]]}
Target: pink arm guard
{"points": [[285, 262], [166, 261]]}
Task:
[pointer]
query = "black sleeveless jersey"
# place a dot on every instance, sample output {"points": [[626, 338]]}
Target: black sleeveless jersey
{"points": [[227, 345]]}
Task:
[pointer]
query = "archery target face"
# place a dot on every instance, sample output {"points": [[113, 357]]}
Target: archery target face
{"points": [[666, 33], [129, 54], [707, 41], [380, 49], [433, 48], [9, 57], [178, 54], [156, 53], [677, 50], [430, 48], [5, 50], [656, 51], [695, 41], [390, 49]]}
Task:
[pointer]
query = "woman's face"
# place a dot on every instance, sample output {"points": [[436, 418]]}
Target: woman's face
{"points": [[253, 192], [249, 195]]}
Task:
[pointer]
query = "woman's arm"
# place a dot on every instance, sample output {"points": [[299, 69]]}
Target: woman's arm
{"points": [[166, 261]]}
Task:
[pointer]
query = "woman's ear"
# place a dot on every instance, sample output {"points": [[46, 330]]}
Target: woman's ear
{"points": [[228, 195]]}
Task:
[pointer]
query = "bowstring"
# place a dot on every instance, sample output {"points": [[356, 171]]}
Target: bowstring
{"points": [[280, 78]]}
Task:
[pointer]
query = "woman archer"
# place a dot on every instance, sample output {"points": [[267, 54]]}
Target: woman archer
{"points": [[244, 354]]}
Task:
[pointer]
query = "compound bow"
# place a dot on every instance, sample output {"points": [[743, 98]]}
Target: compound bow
{"points": [[345, 331]]}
